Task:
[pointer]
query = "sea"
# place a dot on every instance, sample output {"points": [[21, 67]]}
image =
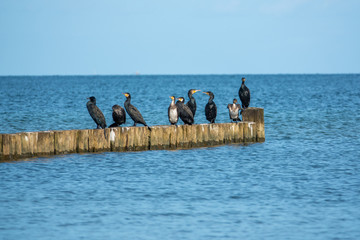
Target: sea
{"points": [[303, 182]]}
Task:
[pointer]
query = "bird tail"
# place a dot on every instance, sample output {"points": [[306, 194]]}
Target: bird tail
{"points": [[149, 128], [113, 125], [105, 133]]}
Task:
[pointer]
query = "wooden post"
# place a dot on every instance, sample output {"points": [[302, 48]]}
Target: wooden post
{"points": [[65, 141], [11, 146], [1, 147], [97, 140], [29, 144], [256, 115], [138, 138], [82, 142]]}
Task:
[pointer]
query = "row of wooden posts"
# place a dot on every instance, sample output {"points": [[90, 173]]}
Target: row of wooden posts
{"points": [[46, 143]]}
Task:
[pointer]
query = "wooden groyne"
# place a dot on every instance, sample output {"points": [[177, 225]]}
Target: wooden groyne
{"points": [[46, 143]]}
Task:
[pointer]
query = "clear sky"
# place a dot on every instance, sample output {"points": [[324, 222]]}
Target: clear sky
{"points": [[71, 37]]}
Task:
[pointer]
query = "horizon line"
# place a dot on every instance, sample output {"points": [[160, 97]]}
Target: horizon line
{"points": [[174, 74]]}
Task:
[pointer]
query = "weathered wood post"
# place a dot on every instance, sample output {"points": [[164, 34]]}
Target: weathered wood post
{"points": [[256, 115], [82, 141], [65, 141]]}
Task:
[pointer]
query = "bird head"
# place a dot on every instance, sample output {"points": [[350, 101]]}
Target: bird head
{"points": [[211, 95], [192, 91], [181, 99], [127, 95], [92, 99]]}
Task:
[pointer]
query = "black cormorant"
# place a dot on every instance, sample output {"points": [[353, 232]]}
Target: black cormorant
{"points": [[210, 108], [96, 114], [119, 116], [244, 94], [173, 112], [185, 113], [133, 111], [234, 110], [192, 102]]}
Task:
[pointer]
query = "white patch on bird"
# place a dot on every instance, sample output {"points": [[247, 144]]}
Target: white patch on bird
{"points": [[173, 114], [112, 135], [251, 128]]}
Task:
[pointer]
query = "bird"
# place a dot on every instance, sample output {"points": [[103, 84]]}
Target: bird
{"points": [[234, 110], [210, 108], [133, 112], [185, 113], [173, 112], [244, 94], [119, 116], [192, 102], [96, 114]]}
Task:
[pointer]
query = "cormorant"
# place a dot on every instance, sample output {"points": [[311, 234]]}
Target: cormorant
{"points": [[210, 108], [96, 114], [234, 110], [173, 112], [192, 103], [119, 116], [133, 111], [244, 94], [185, 113]]}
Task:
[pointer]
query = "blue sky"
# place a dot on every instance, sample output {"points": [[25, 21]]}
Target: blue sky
{"points": [[70, 37]]}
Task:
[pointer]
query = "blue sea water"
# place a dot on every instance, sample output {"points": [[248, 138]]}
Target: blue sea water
{"points": [[303, 182]]}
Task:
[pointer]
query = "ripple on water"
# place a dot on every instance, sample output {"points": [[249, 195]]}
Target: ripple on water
{"points": [[301, 183]]}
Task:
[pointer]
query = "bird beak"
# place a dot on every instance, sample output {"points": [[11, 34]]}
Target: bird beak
{"points": [[206, 93], [197, 90], [171, 97]]}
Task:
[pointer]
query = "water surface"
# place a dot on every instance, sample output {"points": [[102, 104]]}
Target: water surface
{"points": [[303, 182]]}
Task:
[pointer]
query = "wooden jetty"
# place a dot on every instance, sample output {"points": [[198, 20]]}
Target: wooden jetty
{"points": [[120, 139]]}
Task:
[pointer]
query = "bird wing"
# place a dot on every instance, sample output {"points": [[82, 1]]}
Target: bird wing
{"points": [[119, 116], [124, 114], [133, 109], [211, 110], [244, 94], [136, 115], [98, 116], [185, 114], [188, 111], [192, 105]]}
